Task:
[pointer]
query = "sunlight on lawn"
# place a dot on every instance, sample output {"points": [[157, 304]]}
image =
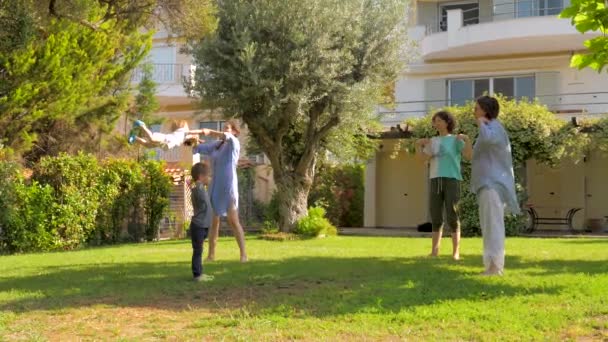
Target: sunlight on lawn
{"points": [[335, 288]]}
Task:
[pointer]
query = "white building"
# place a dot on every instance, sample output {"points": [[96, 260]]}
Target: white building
{"points": [[466, 48]]}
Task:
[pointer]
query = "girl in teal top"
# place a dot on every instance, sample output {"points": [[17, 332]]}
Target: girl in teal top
{"points": [[444, 154]]}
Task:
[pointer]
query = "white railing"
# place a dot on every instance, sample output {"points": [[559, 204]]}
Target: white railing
{"points": [[500, 11], [166, 73], [563, 104]]}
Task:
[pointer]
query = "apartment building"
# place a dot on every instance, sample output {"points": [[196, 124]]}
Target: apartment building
{"points": [[515, 48]]}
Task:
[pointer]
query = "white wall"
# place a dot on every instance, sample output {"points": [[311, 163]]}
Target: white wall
{"points": [[411, 87], [502, 37], [407, 89], [584, 81]]}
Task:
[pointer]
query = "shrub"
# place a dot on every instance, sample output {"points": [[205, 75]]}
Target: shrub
{"points": [[76, 197], [72, 200], [156, 187], [120, 185], [340, 190], [271, 210], [24, 213], [315, 224], [270, 227]]}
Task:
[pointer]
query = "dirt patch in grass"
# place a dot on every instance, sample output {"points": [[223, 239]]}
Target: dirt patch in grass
{"points": [[280, 236], [599, 330]]}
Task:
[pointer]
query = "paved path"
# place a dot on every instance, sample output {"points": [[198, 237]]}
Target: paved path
{"points": [[412, 232]]}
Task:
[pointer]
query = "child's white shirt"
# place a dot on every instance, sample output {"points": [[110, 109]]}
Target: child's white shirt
{"points": [[171, 140]]}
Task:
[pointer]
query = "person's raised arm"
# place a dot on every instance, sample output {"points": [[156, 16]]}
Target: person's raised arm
{"points": [[467, 149], [204, 148], [488, 134]]}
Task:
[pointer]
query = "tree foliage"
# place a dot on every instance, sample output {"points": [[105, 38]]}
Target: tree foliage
{"points": [[301, 75], [590, 16], [65, 67]]}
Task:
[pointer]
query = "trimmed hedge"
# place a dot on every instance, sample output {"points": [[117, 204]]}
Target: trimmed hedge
{"points": [[75, 200]]}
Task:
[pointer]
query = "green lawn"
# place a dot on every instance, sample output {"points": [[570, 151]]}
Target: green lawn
{"points": [[339, 288]]}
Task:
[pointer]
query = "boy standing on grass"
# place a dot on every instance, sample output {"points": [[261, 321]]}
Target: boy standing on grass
{"points": [[201, 218]]}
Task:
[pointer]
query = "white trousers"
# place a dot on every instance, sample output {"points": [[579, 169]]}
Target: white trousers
{"points": [[491, 219]]}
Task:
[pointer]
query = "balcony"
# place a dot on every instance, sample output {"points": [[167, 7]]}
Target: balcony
{"points": [[169, 78], [509, 28]]}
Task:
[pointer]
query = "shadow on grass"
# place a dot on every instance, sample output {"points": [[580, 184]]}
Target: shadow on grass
{"points": [[585, 241], [316, 286]]}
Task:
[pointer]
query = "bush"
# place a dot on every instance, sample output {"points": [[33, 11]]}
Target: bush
{"points": [[120, 183], [156, 187], [340, 190], [271, 210], [72, 200], [24, 213], [315, 224], [76, 197], [270, 227]]}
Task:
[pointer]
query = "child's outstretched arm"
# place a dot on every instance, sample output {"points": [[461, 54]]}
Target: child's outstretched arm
{"points": [[215, 134]]}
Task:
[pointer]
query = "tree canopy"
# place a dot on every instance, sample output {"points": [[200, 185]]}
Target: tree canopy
{"points": [[65, 66], [301, 74]]}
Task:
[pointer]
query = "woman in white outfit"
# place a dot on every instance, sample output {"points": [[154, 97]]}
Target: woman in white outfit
{"points": [[493, 182]]}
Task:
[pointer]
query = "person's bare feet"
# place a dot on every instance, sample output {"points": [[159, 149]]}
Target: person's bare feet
{"points": [[434, 255], [210, 258], [456, 256], [244, 259], [492, 272]]}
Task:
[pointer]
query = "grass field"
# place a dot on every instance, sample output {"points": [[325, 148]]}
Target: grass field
{"points": [[339, 288]]}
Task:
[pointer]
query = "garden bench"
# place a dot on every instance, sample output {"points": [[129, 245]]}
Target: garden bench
{"points": [[536, 219]]}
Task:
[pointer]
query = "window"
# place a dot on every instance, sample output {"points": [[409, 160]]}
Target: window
{"points": [[532, 8], [461, 91], [470, 14], [162, 55], [162, 59], [214, 125]]}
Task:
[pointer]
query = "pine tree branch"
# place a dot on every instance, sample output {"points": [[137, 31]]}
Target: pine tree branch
{"points": [[53, 12]]}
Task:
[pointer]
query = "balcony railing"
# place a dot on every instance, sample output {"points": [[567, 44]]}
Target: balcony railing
{"points": [[500, 11], [166, 73], [592, 104]]}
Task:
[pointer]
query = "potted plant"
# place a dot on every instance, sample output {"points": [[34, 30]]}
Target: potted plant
{"points": [[596, 225]]}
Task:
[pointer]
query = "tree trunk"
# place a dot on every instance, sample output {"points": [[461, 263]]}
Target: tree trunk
{"points": [[292, 195]]}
